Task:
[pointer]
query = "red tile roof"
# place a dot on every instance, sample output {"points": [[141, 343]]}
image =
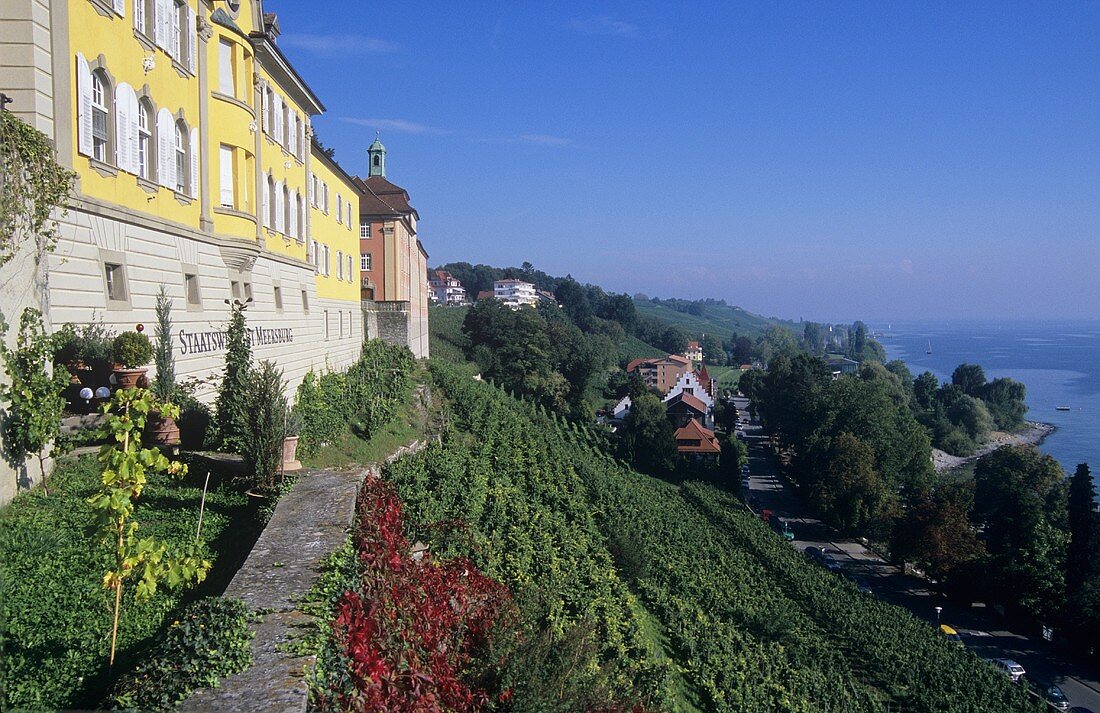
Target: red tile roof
{"points": [[635, 363], [678, 358], [689, 400], [379, 197], [692, 344], [485, 294], [692, 431]]}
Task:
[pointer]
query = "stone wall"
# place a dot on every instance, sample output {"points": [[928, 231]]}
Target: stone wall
{"points": [[388, 321]]}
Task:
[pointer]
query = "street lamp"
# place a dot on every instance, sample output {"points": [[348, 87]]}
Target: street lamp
{"points": [[938, 610]]}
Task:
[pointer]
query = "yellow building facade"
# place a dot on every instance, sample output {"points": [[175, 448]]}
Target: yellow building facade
{"points": [[190, 133]]}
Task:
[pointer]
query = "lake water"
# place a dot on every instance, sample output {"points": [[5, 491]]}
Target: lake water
{"points": [[1059, 362]]}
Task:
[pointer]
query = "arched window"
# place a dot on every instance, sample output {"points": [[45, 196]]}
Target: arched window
{"points": [[101, 116], [145, 141], [182, 163], [272, 203]]}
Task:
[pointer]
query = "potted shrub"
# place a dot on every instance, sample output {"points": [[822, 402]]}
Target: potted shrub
{"points": [[290, 442], [131, 351], [162, 429]]}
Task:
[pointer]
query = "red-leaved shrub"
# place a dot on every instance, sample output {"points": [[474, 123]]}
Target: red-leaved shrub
{"points": [[417, 634]]}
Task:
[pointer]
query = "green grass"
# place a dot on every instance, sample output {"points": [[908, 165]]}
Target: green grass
{"points": [[349, 450], [716, 319], [55, 616], [727, 376]]}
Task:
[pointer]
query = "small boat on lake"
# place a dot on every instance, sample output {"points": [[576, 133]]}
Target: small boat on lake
{"points": [[929, 347], [1061, 408]]}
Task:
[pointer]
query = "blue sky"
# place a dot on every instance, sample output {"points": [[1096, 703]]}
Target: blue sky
{"points": [[825, 160]]}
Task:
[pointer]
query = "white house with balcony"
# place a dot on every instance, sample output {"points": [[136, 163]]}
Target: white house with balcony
{"points": [[445, 289], [515, 293]]}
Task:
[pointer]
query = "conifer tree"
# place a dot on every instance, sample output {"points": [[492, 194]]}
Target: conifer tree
{"points": [[232, 403], [1084, 529]]}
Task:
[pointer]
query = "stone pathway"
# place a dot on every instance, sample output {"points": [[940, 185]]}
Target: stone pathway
{"points": [[309, 522]]}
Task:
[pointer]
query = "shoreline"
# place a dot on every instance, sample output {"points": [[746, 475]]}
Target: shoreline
{"points": [[1032, 434]]}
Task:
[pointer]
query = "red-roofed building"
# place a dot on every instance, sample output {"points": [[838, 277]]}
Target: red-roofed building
{"points": [[684, 407], [692, 440], [394, 263], [446, 289]]}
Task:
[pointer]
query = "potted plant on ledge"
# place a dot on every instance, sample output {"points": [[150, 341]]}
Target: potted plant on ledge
{"points": [[131, 351], [162, 429]]}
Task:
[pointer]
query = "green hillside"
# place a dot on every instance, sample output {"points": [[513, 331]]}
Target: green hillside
{"points": [[675, 597], [445, 338], [720, 320]]}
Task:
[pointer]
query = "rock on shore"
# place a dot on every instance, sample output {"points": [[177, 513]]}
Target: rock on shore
{"points": [[1031, 434]]}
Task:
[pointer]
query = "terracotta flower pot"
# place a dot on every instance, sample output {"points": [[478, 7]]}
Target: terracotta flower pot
{"points": [[128, 378], [290, 454], [162, 431]]}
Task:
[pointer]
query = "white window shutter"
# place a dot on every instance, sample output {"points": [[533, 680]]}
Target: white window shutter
{"points": [[309, 188], [166, 149], [302, 141], [266, 108], [192, 40], [292, 136], [279, 205], [278, 118], [267, 204], [292, 228], [139, 15], [84, 108], [120, 7], [194, 150], [122, 129], [132, 111], [159, 10]]}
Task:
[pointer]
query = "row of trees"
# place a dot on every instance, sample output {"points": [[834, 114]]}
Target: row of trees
{"points": [[959, 415], [859, 450]]}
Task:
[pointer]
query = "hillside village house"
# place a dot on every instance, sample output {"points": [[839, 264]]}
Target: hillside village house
{"points": [[393, 262], [190, 134], [660, 373], [515, 293], [446, 289], [694, 351]]}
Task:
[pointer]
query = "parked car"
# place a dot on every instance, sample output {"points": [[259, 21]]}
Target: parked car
{"points": [[823, 558], [1050, 694], [951, 634], [1012, 669], [783, 528]]}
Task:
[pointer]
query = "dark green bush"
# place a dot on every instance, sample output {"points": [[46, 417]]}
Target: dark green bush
{"points": [[210, 640], [362, 399], [132, 350], [194, 421]]}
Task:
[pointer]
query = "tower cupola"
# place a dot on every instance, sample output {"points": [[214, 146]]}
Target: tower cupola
{"points": [[377, 154]]}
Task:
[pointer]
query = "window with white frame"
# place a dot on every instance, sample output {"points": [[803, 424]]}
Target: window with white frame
{"points": [[339, 264], [325, 264], [364, 230], [226, 175], [182, 164], [115, 275], [101, 124], [350, 272], [365, 262], [145, 139]]}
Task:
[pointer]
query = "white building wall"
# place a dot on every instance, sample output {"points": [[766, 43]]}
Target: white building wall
{"points": [[155, 256]]}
